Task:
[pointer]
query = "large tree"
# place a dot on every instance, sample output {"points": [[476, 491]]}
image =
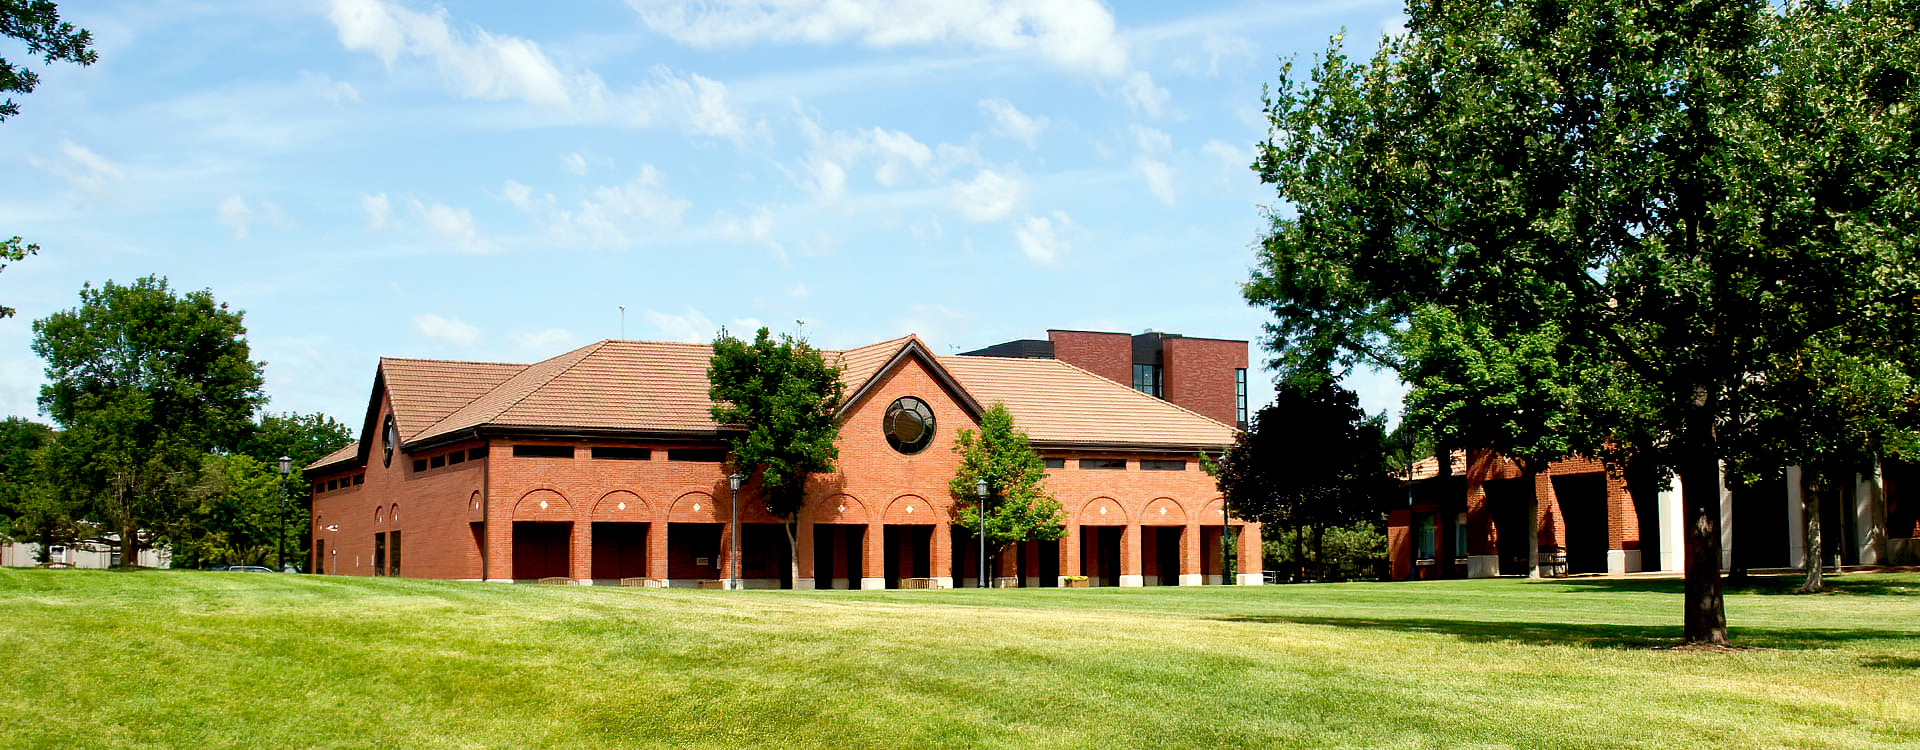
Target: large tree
{"points": [[777, 404], [30, 511], [36, 23], [143, 383], [1018, 506], [1631, 200], [302, 439], [1310, 461]]}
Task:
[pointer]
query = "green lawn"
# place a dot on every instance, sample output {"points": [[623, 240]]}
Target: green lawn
{"points": [[186, 659]]}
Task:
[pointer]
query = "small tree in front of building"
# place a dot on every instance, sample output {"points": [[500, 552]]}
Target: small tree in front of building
{"points": [[777, 403], [1019, 508]]}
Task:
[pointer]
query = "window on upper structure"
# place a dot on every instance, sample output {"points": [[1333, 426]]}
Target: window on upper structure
{"points": [[1158, 465], [699, 455], [1240, 394], [359, 479], [456, 457], [1054, 463], [437, 461], [1460, 535], [543, 451], [622, 453], [476, 453], [1423, 542], [1103, 463], [1147, 380]]}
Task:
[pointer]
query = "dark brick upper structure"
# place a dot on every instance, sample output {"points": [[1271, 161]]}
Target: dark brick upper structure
{"points": [[1208, 376]]}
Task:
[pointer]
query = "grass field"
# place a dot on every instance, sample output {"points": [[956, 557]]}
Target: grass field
{"points": [[186, 659]]}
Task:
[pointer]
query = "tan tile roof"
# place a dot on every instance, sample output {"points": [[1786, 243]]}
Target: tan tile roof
{"points": [[1055, 402], [662, 387], [1429, 467], [426, 391], [352, 450]]}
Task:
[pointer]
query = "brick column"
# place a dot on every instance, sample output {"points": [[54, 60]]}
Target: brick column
{"points": [[1190, 555], [803, 550], [873, 557], [1130, 556], [580, 551], [941, 562], [1031, 551], [725, 555], [499, 544], [657, 549], [1070, 552], [1250, 563]]}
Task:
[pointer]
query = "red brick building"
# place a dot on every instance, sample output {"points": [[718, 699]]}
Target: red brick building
{"points": [[603, 465], [1207, 376]]}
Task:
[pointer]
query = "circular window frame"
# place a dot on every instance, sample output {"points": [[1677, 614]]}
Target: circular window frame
{"points": [[908, 406]]}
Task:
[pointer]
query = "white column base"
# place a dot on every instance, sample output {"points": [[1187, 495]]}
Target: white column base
{"points": [[1033, 582], [870, 584], [1635, 563], [499, 580], [1132, 582], [1213, 580], [1617, 562], [1483, 566], [803, 584], [943, 582], [1250, 579], [840, 583], [1190, 579], [1150, 580]]}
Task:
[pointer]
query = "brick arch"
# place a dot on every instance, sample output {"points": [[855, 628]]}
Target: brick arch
{"points": [[683, 510], [1164, 511], [393, 513], [476, 507], [379, 514], [922, 511], [829, 510], [1210, 513], [1090, 514], [610, 507], [558, 508]]}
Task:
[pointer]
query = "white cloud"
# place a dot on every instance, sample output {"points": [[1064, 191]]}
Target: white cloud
{"points": [[93, 176], [1009, 122], [450, 330], [897, 157], [517, 194], [550, 340], [377, 208], [1151, 141], [990, 196], [455, 226], [576, 163], [1042, 237], [1215, 48], [1159, 178], [692, 327], [235, 214], [1141, 94], [697, 103], [756, 228], [1226, 152], [1074, 34], [474, 64]]}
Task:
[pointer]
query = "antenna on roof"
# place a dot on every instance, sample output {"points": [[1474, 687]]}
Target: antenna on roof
{"points": [[623, 322]]}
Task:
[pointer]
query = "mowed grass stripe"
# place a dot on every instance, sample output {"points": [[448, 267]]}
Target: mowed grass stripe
{"points": [[171, 659]]}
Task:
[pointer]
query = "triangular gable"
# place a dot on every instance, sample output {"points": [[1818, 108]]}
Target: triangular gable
{"points": [[488, 406], [912, 348]]}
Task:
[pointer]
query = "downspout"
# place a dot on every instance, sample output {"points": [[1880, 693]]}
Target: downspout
{"points": [[486, 510]]}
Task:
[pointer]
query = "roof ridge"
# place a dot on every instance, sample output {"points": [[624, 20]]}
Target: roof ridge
{"points": [[452, 361], [595, 347], [1106, 381]]}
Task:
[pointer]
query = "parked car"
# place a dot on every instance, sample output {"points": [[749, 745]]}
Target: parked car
{"points": [[249, 569]]}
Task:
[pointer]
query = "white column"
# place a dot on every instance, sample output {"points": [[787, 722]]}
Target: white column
{"points": [[1673, 524], [1726, 522], [1870, 517], [1796, 519]]}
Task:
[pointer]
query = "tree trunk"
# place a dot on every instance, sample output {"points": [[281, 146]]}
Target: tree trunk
{"points": [[1319, 552], [1815, 549], [793, 554], [1706, 612], [129, 547]]}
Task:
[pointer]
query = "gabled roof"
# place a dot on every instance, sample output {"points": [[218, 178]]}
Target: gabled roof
{"points": [[660, 389], [1058, 404]]}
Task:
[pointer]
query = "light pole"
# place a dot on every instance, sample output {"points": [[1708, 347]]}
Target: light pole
{"points": [[980, 489], [733, 535], [286, 465]]}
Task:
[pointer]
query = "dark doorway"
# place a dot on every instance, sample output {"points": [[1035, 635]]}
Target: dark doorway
{"points": [[837, 554], [1160, 554], [908, 553], [1583, 505], [1836, 526], [479, 549], [1100, 554], [1511, 504], [693, 550], [380, 553], [319, 556], [765, 553], [1760, 533], [1049, 571], [540, 549], [619, 550]]}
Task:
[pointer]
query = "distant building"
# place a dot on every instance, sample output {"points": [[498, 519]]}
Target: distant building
{"points": [[603, 465], [79, 555], [1207, 376]]}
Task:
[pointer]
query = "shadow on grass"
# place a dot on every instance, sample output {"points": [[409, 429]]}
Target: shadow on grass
{"points": [[1754, 585], [1596, 636]]}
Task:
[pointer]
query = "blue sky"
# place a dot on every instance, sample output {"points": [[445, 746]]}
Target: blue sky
{"points": [[490, 181]]}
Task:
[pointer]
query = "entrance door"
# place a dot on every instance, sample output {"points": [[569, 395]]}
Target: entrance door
{"points": [[540, 549], [1583, 503], [619, 550], [1511, 501]]}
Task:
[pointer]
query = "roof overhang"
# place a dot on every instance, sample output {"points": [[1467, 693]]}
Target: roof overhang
{"points": [[913, 348]]}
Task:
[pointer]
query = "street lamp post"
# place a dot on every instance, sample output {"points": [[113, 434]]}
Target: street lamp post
{"points": [[286, 465], [733, 535], [980, 489]]}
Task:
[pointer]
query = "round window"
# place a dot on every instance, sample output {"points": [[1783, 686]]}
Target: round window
{"points": [[908, 424], [391, 437]]}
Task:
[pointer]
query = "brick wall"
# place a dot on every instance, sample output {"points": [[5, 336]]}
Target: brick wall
{"points": [[1200, 375], [1109, 355]]}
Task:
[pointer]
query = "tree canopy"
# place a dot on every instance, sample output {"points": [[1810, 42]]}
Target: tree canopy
{"points": [[144, 383], [38, 24], [1653, 226], [1019, 508]]}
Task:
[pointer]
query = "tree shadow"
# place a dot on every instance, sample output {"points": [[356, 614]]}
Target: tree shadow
{"points": [[1890, 662], [1766, 585], [1587, 635]]}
